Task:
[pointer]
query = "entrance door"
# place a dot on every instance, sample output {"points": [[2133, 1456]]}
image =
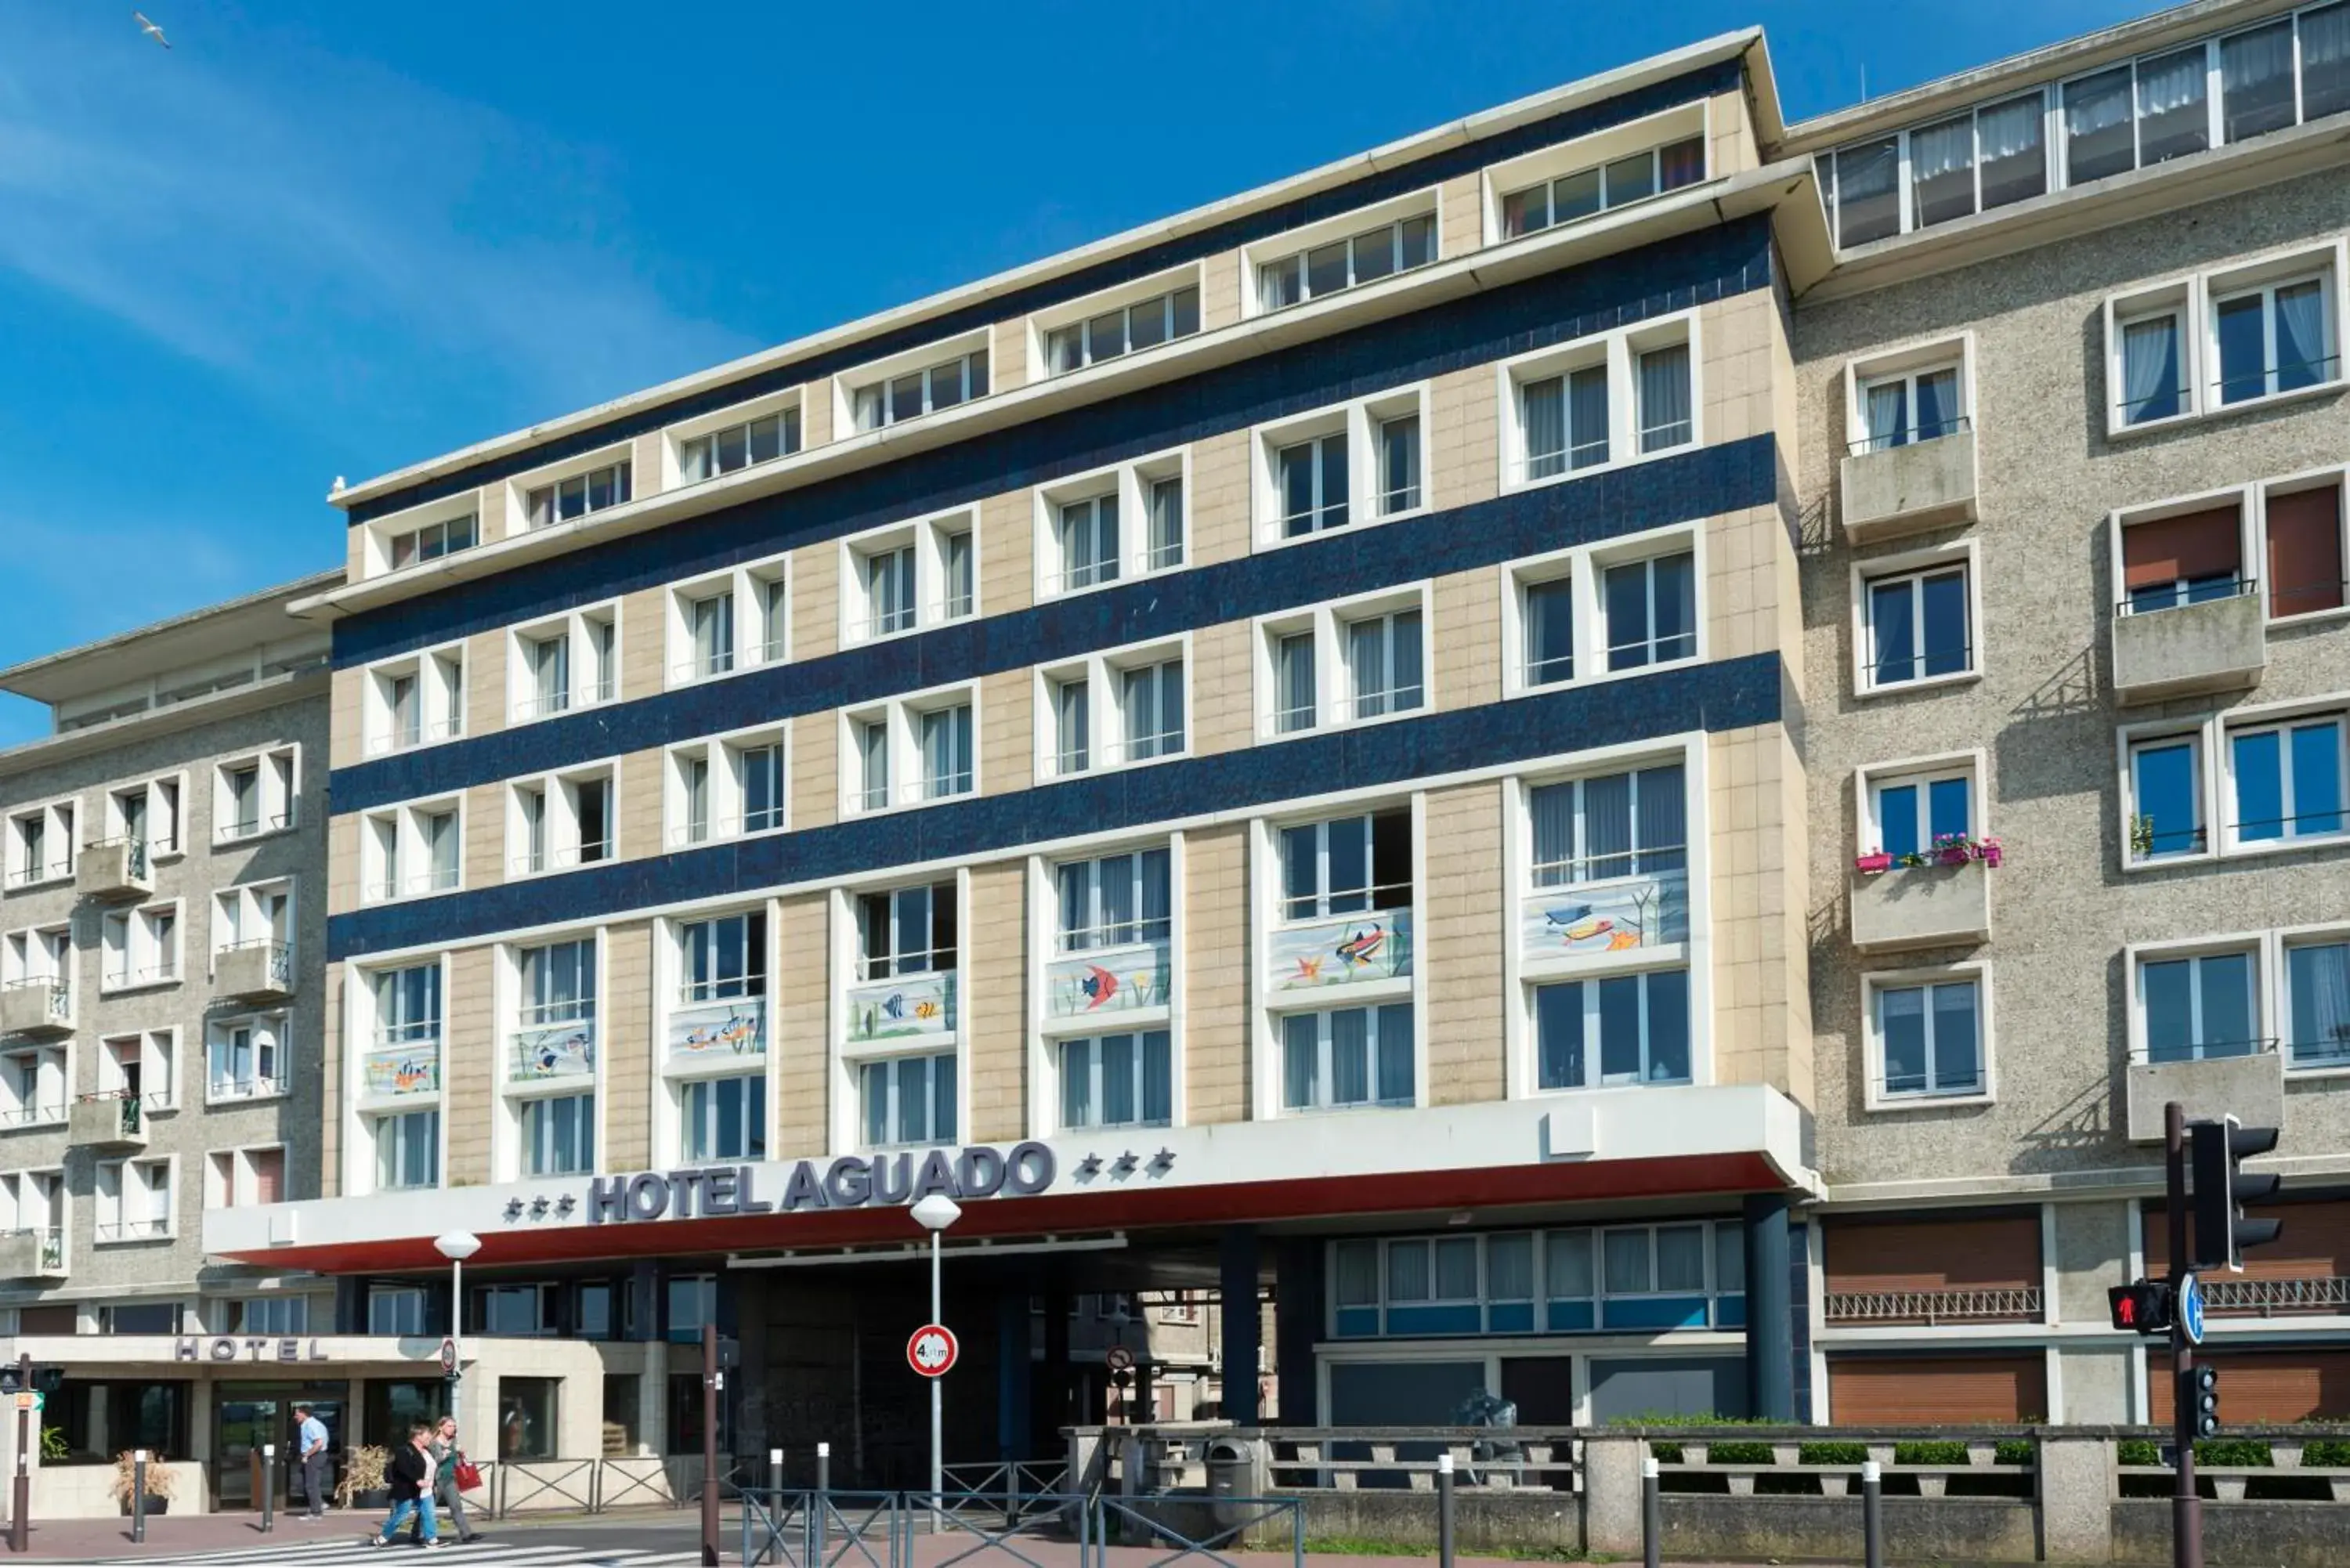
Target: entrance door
{"points": [[247, 1415]]}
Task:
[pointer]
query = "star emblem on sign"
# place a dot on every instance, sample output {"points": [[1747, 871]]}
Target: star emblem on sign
{"points": [[538, 1207], [1124, 1165], [1089, 1168], [566, 1204], [1162, 1162], [513, 1207]]}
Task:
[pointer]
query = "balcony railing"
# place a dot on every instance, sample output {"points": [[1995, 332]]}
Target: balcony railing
{"points": [[251, 1086], [713, 830], [132, 1229], [1095, 756], [240, 827], [2328, 1294], [43, 871], [39, 1114], [39, 1006], [532, 862], [2020, 1304], [902, 1006], [408, 737]]}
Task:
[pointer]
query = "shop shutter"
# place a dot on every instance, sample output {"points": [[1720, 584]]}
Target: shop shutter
{"points": [[1906, 1391], [2305, 550], [268, 1175], [2261, 1386], [2194, 544], [1997, 1251]]}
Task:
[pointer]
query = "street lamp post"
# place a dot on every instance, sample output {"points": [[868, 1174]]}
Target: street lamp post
{"points": [[457, 1246], [934, 1214]]}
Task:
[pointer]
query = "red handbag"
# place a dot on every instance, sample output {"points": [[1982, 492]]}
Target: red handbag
{"points": [[469, 1475]]}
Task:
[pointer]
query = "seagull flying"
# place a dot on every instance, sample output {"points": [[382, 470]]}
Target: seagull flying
{"points": [[150, 29]]}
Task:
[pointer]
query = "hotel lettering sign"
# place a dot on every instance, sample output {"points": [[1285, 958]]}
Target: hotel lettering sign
{"points": [[225, 1348], [850, 1182]]}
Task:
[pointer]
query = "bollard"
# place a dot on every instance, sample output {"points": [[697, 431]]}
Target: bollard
{"points": [[1872, 1514], [138, 1494], [1445, 1510], [824, 1467], [269, 1487], [1652, 1514]]}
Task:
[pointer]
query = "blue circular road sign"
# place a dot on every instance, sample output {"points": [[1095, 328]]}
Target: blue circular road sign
{"points": [[2191, 1308]]}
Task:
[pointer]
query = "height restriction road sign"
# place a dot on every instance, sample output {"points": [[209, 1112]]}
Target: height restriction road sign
{"points": [[933, 1350]]}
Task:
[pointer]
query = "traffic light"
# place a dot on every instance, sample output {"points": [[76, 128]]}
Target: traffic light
{"points": [[2142, 1306], [2202, 1393], [2221, 1190]]}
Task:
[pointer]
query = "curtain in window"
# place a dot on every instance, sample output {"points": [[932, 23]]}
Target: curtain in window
{"points": [[1366, 646], [2319, 979], [1509, 1268], [1300, 1060], [1118, 1079], [1566, 1265], [2172, 120], [2098, 137], [1076, 886], [946, 750], [1074, 727], [1941, 171], [1117, 898], [1357, 1273], [1157, 895], [1403, 652], [1350, 1056], [2256, 81], [1157, 1077], [1954, 1038], [2325, 61], [2008, 147], [1607, 825], [1166, 522], [1587, 415], [1545, 404], [1887, 406], [1550, 632], [1296, 709], [1551, 809], [2302, 357], [873, 743], [1664, 398], [2150, 384], [1394, 1054], [1663, 814]]}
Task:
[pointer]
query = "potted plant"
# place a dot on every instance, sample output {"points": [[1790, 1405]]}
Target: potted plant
{"points": [[1990, 850], [363, 1484], [2141, 838], [1872, 863], [159, 1484], [1953, 849]]}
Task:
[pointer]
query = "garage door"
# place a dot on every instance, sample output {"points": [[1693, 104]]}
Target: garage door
{"points": [[2267, 1385], [1940, 1391]]}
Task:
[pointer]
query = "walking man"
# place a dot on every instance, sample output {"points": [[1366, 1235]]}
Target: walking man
{"points": [[310, 1443]]}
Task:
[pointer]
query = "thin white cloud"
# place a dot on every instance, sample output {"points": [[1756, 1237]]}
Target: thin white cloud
{"points": [[274, 226]]}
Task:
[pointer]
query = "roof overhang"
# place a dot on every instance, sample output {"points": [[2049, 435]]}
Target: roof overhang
{"points": [[200, 637]]}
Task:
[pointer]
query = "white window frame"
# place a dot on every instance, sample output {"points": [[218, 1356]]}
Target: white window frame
{"points": [[375, 1123], [584, 685], [1279, 249], [934, 605], [1876, 982], [278, 785], [959, 348], [2281, 944], [271, 1035], [1870, 780], [128, 1231], [748, 588], [236, 907], [850, 1059], [52, 1067], [1134, 484], [724, 817], [1077, 313], [156, 791], [1104, 676], [388, 880], [2128, 739], [149, 967], [1583, 567], [440, 676], [1869, 573], [1329, 624], [907, 788], [61, 825], [1360, 420], [616, 456], [565, 844], [2194, 299], [1953, 351], [382, 535], [1649, 133], [2219, 754], [158, 1052], [1619, 350], [1666, 958], [2254, 945], [675, 438]]}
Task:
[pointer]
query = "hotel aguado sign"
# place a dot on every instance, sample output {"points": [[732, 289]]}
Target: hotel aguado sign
{"points": [[719, 1191]]}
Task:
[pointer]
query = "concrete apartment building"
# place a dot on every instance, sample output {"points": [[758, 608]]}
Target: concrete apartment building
{"points": [[1386, 743], [162, 931]]}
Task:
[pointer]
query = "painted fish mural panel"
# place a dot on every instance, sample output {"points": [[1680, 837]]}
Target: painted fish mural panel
{"points": [[1107, 980], [717, 1031], [1615, 918], [1345, 950], [907, 1004]]}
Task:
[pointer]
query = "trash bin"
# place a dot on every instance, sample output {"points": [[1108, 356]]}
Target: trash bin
{"points": [[1231, 1477]]}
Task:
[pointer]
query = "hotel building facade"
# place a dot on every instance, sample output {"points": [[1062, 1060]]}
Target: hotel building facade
{"points": [[1435, 744]]}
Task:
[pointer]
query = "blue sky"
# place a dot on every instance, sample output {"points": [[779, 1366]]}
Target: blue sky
{"points": [[317, 239]]}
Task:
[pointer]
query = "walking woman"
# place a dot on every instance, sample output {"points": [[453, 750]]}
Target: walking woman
{"points": [[445, 1490], [411, 1488]]}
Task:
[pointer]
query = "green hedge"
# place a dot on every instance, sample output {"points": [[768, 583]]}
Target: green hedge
{"points": [[2327, 1452], [2015, 1452], [2138, 1451], [2239, 1451], [1840, 1453], [1736, 1453], [1939, 1451]]}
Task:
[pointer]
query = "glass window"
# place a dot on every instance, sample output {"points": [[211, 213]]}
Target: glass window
{"points": [[1123, 330], [1629, 1258], [691, 1302], [575, 497], [2153, 383], [1680, 1259], [2272, 339], [1117, 1080], [1662, 379], [2100, 136], [1564, 418], [2166, 796], [1652, 610], [1399, 446], [512, 1310], [558, 1135], [1384, 663], [2174, 115], [2011, 159], [907, 930], [1114, 900], [724, 957], [558, 982], [946, 752], [1917, 625], [920, 392], [723, 451], [2288, 780], [2256, 81], [1929, 1037], [1632, 823], [1868, 192], [2198, 1008], [1353, 1057], [2324, 61], [395, 1310], [1346, 865], [1312, 476], [1634, 1027], [909, 1100], [1566, 1265], [1588, 190], [1509, 1268], [1089, 545], [1914, 814], [1296, 691], [2317, 1003], [408, 1150], [1356, 1274], [1729, 1260], [1917, 405], [686, 1396], [1154, 710], [526, 1427], [1343, 263], [1549, 617], [723, 1117]]}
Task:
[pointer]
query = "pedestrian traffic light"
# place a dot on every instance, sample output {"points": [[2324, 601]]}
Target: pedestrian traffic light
{"points": [[2202, 1393], [2142, 1306], [2221, 1190]]}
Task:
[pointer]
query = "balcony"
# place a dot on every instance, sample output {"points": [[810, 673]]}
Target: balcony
{"points": [[35, 1254], [403, 1066], [1104, 981], [258, 971], [114, 868], [902, 1007], [1872, 1308], [1890, 490], [714, 1033], [2248, 1083], [2217, 644], [1921, 906], [108, 1121], [36, 1008], [554, 1043]]}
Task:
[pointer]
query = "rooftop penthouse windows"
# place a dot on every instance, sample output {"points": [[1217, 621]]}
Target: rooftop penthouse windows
{"points": [[909, 394], [760, 439], [576, 496], [1120, 328], [1620, 182], [2219, 91], [1343, 252]]}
